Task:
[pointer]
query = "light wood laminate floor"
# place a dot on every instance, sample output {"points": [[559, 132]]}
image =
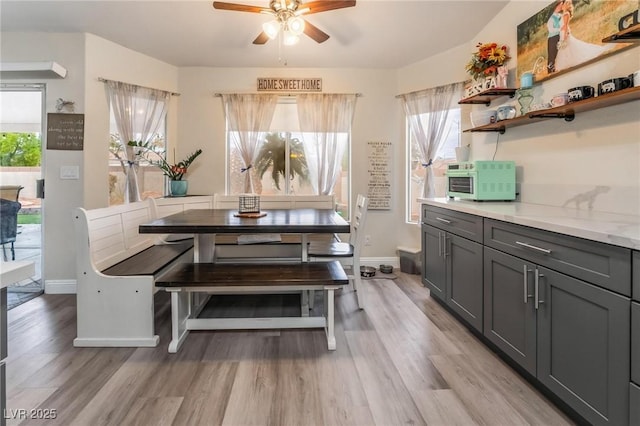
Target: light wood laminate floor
{"points": [[404, 360]]}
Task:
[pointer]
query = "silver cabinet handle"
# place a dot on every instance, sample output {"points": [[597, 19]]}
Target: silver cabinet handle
{"points": [[525, 284], [443, 220], [439, 244], [532, 247], [537, 276]]}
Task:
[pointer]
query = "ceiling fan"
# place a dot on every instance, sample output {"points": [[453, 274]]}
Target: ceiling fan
{"points": [[286, 14]]}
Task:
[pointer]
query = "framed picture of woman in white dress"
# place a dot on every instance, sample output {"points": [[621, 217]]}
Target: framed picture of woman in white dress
{"points": [[568, 33]]}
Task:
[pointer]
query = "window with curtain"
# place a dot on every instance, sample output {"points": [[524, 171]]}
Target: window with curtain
{"points": [[433, 132], [136, 114], [293, 154]]}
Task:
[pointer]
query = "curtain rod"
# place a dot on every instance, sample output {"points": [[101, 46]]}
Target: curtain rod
{"points": [[422, 90], [104, 80], [219, 95]]}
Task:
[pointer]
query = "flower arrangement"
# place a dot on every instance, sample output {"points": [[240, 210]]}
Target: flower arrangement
{"points": [[487, 59], [172, 171]]}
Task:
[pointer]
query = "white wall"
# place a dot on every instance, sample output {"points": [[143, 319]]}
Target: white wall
{"points": [[60, 195], [556, 159], [202, 125]]}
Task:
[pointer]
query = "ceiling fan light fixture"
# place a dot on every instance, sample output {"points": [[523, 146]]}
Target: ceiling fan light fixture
{"points": [[296, 25], [289, 38], [271, 29]]}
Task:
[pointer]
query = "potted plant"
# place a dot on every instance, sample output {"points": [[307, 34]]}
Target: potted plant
{"points": [[175, 172], [488, 63]]}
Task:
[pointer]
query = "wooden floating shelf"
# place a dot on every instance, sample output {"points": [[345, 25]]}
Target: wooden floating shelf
{"points": [[629, 35], [487, 96], [566, 112]]}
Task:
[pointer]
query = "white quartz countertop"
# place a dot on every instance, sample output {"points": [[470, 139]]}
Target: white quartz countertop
{"points": [[617, 229], [12, 272]]}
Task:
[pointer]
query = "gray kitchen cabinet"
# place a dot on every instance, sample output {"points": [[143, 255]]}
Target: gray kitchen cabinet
{"points": [[509, 311], [635, 343], [634, 404], [583, 346], [433, 265], [452, 265], [635, 292]]}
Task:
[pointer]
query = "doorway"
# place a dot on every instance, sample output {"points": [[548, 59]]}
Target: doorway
{"points": [[22, 109]]}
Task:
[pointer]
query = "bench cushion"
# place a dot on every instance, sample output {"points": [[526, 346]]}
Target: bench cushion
{"points": [[149, 261], [275, 274]]}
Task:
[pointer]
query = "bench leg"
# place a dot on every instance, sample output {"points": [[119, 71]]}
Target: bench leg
{"points": [[180, 308], [329, 314], [359, 288]]}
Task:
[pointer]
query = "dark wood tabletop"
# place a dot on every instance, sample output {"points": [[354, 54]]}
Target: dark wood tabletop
{"points": [[209, 221]]}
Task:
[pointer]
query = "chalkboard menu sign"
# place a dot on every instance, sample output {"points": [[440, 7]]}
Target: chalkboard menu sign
{"points": [[65, 131]]}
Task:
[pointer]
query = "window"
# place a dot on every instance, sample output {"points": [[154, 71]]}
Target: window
{"points": [[281, 166], [151, 181], [444, 155]]}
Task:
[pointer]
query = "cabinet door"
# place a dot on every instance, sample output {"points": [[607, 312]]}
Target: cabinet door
{"points": [[3, 323], [583, 347], [634, 405], [635, 342], [509, 312], [3, 394], [464, 278], [433, 270]]}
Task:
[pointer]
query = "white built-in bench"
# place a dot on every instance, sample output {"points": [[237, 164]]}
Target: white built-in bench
{"points": [[116, 268]]}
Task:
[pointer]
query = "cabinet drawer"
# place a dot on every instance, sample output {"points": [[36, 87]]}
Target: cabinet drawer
{"points": [[634, 406], [601, 264], [462, 224], [635, 292], [635, 343], [3, 393]]}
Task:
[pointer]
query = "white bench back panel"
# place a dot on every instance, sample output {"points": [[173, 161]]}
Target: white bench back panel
{"points": [[268, 202], [162, 207]]}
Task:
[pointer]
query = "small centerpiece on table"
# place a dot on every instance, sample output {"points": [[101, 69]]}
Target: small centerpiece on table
{"points": [[175, 172], [487, 67]]}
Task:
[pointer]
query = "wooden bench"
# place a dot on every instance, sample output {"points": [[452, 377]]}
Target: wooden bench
{"points": [[116, 268], [225, 278]]}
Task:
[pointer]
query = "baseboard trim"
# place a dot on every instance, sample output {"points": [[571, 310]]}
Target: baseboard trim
{"points": [[60, 286]]}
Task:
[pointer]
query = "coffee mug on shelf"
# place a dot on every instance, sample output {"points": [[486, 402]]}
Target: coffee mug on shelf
{"points": [[635, 78], [559, 100], [613, 85], [581, 92]]}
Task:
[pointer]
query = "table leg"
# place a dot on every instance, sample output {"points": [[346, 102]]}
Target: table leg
{"points": [[204, 247]]}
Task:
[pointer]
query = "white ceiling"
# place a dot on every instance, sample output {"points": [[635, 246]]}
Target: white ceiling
{"points": [[373, 34]]}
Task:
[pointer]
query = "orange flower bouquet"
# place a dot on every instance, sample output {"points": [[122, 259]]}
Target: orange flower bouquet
{"points": [[487, 59]]}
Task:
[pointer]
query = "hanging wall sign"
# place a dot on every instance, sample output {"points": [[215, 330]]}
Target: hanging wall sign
{"points": [[379, 168], [278, 84], [65, 131]]}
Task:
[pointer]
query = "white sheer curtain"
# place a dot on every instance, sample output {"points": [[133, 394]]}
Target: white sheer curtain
{"points": [[436, 103], [138, 112], [325, 123], [249, 117]]}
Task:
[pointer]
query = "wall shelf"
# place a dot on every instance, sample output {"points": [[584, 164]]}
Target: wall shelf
{"points": [[631, 34], [485, 97], [566, 112]]}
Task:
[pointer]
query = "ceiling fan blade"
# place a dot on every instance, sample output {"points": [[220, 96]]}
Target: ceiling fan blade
{"points": [[322, 6], [221, 5], [315, 33], [261, 39]]}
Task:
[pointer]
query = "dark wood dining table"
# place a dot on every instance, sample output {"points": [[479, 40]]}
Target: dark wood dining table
{"points": [[204, 224]]}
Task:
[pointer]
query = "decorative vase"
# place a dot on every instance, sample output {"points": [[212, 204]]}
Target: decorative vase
{"points": [[502, 77], [178, 188], [525, 98]]}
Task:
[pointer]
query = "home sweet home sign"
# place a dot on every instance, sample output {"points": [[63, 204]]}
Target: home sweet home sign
{"points": [[289, 84]]}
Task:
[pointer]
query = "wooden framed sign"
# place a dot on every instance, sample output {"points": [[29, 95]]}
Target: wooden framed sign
{"points": [[65, 131], [279, 84], [379, 169]]}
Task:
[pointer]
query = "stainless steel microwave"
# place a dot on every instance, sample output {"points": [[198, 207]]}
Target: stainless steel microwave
{"points": [[482, 180]]}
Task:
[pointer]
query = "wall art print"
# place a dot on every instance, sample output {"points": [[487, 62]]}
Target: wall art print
{"points": [[567, 34]]}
